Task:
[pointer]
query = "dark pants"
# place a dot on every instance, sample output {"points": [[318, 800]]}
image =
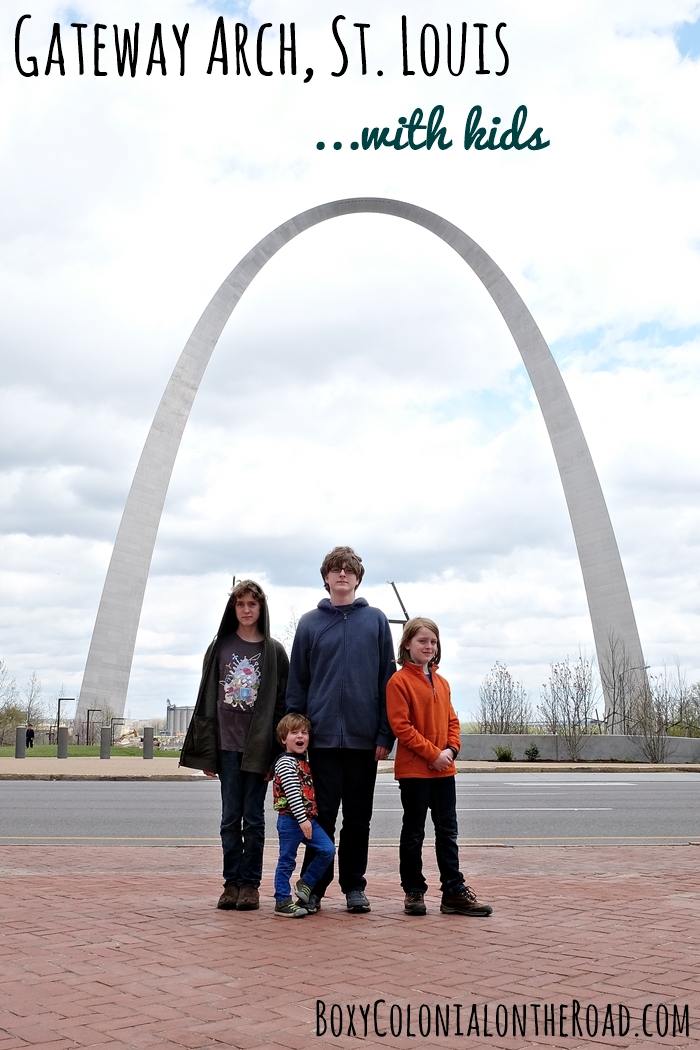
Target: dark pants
{"points": [[344, 775], [242, 821], [418, 795]]}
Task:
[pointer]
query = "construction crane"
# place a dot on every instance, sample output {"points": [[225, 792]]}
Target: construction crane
{"points": [[406, 617]]}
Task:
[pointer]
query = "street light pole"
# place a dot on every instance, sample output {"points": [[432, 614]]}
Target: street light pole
{"points": [[61, 700], [91, 711], [112, 723]]}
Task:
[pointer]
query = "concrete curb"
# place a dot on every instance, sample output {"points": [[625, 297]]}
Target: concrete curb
{"points": [[96, 776], [576, 767], [92, 768], [129, 768]]}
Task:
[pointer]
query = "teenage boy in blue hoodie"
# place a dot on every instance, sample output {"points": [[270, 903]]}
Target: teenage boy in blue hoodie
{"points": [[342, 659]]}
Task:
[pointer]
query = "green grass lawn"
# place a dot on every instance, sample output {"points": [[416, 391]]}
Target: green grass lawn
{"points": [[83, 751]]}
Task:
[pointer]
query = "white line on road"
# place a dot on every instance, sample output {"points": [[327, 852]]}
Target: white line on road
{"points": [[584, 784], [520, 809]]}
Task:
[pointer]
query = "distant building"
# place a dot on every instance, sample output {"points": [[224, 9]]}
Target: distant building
{"points": [[177, 719]]}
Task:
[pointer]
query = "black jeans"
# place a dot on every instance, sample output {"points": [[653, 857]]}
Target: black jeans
{"points": [[344, 775], [438, 794], [242, 821]]}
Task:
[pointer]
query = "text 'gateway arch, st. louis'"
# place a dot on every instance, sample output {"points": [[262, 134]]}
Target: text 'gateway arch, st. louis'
{"points": [[111, 652]]}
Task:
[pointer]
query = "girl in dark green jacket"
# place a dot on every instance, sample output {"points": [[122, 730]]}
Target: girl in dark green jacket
{"points": [[232, 734]]}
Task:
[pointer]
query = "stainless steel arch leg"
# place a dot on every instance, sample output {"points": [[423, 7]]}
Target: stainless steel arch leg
{"points": [[111, 651]]}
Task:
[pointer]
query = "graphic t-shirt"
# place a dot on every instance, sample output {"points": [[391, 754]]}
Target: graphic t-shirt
{"points": [[240, 664]]}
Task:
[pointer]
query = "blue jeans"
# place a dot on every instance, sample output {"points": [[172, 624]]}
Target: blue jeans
{"points": [[418, 795], [242, 821], [291, 836]]}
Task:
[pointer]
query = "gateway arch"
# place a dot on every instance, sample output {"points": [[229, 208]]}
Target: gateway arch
{"points": [[110, 657]]}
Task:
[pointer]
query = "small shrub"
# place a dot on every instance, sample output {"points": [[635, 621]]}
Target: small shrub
{"points": [[503, 754], [532, 753]]}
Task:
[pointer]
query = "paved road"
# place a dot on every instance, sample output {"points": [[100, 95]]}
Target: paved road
{"points": [[515, 809]]}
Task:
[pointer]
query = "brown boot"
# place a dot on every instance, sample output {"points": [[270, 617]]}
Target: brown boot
{"points": [[228, 898], [414, 904], [248, 899], [463, 902]]}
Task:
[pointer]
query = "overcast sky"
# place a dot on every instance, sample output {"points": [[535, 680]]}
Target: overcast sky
{"points": [[366, 390]]}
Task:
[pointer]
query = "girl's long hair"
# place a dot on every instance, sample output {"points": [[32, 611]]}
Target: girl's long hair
{"points": [[410, 631]]}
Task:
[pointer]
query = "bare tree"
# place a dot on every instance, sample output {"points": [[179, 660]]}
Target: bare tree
{"points": [[11, 714], [8, 686], [622, 683], [685, 718], [503, 703], [290, 630], [614, 677], [654, 709], [33, 700], [691, 712], [568, 702]]}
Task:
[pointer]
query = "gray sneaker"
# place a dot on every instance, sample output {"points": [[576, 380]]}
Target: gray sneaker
{"points": [[303, 892], [313, 904], [290, 909], [357, 902]]}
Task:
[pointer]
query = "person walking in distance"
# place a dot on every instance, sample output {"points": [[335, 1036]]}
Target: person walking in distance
{"points": [[232, 734], [342, 658]]}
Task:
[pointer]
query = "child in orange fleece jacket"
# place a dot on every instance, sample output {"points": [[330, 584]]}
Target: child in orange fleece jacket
{"points": [[427, 729]]}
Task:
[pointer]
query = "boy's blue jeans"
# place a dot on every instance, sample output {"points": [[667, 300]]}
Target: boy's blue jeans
{"points": [[291, 836]]}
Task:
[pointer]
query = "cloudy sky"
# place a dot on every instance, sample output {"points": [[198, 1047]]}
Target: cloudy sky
{"points": [[365, 390]]}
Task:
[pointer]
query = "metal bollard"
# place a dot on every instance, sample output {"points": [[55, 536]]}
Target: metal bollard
{"points": [[21, 742], [148, 742], [105, 741], [63, 742]]}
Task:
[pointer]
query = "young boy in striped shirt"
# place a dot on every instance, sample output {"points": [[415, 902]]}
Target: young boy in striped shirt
{"points": [[295, 802]]}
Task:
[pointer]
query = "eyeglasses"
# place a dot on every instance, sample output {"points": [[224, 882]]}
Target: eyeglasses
{"points": [[345, 569]]}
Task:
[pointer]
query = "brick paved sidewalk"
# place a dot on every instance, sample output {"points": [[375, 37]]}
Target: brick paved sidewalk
{"points": [[122, 947]]}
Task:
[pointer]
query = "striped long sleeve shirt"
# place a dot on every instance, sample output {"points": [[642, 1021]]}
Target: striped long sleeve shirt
{"points": [[293, 787]]}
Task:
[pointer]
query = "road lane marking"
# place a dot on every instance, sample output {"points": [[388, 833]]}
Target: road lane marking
{"points": [[583, 784], [688, 839], [520, 809]]}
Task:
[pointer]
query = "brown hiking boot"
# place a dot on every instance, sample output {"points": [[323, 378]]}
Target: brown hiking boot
{"points": [[463, 902], [413, 904], [228, 898], [248, 899]]}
